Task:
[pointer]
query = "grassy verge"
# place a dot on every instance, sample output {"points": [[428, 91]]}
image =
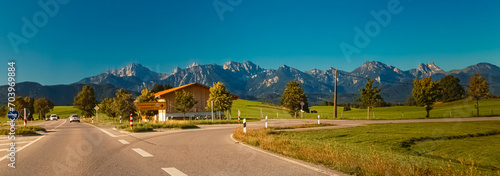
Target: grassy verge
{"points": [[149, 126], [464, 148], [303, 126], [29, 130]]}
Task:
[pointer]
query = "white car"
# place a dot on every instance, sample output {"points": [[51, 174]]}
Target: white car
{"points": [[74, 118], [53, 117]]}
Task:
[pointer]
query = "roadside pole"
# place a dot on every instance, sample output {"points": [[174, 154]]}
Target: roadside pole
{"points": [[212, 105], [120, 119], [302, 109], [244, 125], [266, 121], [318, 120], [131, 119], [96, 115], [239, 114], [24, 117]]}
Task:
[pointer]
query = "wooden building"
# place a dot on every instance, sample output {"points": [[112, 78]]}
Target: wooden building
{"points": [[200, 93]]}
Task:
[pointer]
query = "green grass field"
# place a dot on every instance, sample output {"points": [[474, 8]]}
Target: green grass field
{"points": [[463, 148], [458, 109]]}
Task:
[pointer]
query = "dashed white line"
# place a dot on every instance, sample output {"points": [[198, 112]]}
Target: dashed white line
{"points": [[123, 141], [173, 171], [18, 150], [142, 152]]}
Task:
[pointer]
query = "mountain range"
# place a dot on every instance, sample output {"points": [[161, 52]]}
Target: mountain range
{"points": [[252, 82]]}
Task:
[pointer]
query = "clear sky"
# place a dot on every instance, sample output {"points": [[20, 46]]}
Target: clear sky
{"points": [[87, 37]]}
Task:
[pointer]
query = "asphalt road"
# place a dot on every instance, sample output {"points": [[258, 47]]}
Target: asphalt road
{"points": [[83, 149]]}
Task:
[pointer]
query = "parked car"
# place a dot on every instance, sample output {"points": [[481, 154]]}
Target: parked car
{"points": [[74, 118], [53, 117], [47, 117]]}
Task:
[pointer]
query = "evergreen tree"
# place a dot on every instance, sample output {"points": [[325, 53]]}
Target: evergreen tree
{"points": [[184, 101], [221, 97], [479, 88], [426, 92], [123, 104], [292, 96], [370, 95], [451, 89], [85, 101], [42, 106]]}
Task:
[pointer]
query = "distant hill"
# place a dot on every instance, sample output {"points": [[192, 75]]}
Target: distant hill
{"points": [[252, 82]]}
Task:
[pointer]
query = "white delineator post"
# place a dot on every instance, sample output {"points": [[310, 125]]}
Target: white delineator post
{"points": [[120, 119], [266, 121], [212, 105], [24, 117], [318, 119], [244, 125], [131, 120], [239, 114]]}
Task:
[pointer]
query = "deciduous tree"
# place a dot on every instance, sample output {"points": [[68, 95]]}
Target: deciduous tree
{"points": [[426, 92], [42, 106], [85, 101], [479, 88], [184, 101], [221, 97], [106, 107], [123, 103], [147, 96], [451, 89]]}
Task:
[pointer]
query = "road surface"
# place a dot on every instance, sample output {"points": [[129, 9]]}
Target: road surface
{"points": [[83, 149]]}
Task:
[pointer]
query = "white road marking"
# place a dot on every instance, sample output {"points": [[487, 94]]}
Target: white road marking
{"points": [[123, 141], [142, 152], [173, 171], [16, 143], [18, 150], [1, 150], [108, 133]]}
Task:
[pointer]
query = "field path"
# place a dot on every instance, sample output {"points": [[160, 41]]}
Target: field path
{"points": [[354, 123]]}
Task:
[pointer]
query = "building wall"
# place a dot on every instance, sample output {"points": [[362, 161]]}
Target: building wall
{"points": [[200, 94]]}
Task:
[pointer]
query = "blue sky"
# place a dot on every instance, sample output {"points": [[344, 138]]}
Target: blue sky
{"points": [[85, 38]]}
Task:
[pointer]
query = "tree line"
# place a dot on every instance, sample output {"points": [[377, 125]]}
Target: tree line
{"points": [[123, 104], [425, 93], [40, 106]]}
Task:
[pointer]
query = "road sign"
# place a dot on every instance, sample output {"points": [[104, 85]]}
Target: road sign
{"points": [[13, 115], [151, 106], [96, 108], [302, 103]]}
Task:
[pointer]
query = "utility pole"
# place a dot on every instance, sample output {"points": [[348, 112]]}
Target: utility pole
{"points": [[335, 97]]}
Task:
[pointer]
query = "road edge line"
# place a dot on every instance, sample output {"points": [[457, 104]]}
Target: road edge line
{"points": [[103, 130], [285, 158]]}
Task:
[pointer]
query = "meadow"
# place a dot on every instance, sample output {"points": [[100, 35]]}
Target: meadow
{"points": [[454, 148], [457, 109]]}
